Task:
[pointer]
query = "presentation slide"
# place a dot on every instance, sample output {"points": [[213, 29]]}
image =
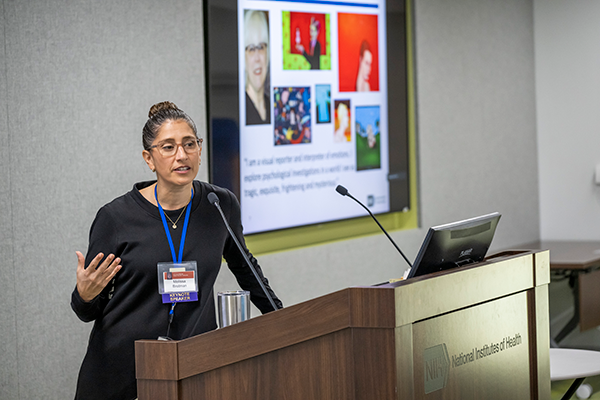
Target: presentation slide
{"points": [[313, 111], [303, 96]]}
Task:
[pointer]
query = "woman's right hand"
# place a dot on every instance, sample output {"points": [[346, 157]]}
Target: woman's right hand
{"points": [[93, 279]]}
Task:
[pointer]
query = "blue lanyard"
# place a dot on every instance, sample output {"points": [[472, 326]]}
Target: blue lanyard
{"points": [[185, 225]]}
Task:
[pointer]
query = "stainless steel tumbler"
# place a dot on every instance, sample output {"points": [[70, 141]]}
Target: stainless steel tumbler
{"points": [[233, 307]]}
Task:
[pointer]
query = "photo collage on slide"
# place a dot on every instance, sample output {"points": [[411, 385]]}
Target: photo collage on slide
{"points": [[318, 83]]}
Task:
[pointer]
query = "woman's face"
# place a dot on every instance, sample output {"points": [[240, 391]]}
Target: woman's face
{"points": [[365, 65], [256, 56], [181, 168], [314, 32]]}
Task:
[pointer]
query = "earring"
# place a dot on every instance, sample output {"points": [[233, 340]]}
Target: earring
{"points": [[152, 169]]}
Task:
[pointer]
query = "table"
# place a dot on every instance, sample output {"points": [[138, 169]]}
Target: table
{"points": [[573, 364], [580, 260]]}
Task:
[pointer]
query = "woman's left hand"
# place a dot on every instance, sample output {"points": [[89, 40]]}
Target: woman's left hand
{"points": [[93, 279]]}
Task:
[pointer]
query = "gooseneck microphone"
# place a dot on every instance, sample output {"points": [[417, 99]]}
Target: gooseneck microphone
{"points": [[344, 192], [214, 200]]}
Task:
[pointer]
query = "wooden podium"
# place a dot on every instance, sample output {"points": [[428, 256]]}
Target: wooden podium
{"points": [[478, 332]]}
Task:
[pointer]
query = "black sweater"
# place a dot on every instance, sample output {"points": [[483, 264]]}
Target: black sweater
{"points": [[130, 308]]}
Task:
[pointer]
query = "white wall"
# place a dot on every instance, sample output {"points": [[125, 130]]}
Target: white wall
{"points": [[77, 78], [567, 70]]}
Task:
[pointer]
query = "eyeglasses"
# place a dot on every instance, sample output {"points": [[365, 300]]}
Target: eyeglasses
{"points": [[252, 49], [169, 148]]}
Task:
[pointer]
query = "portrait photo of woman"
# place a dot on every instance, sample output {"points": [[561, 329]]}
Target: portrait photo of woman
{"points": [[342, 133], [358, 53], [312, 54], [306, 41], [256, 50]]}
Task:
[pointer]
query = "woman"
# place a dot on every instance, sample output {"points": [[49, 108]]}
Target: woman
{"points": [[120, 292], [365, 59], [256, 49], [313, 56]]}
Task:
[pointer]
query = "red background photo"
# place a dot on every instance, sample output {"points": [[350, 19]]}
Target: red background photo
{"points": [[352, 30], [302, 22]]}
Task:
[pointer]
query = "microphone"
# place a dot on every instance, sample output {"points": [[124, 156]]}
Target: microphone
{"points": [[344, 192], [214, 200]]}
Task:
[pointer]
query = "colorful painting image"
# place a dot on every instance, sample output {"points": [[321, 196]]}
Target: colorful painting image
{"points": [[256, 67], [291, 114], [323, 98], [368, 143], [306, 41], [358, 53], [342, 132]]}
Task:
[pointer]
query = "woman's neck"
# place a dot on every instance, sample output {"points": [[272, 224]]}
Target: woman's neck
{"points": [[172, 197], [258, 98]]}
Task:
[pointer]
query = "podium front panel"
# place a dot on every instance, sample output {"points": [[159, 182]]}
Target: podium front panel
{"points": [[346, 365], [474, 353]]}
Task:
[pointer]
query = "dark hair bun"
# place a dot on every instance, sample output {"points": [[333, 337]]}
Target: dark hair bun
{"points": [[158, 107]]}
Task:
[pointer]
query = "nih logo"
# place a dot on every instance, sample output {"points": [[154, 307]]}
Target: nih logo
{"points": [[437, 364]]}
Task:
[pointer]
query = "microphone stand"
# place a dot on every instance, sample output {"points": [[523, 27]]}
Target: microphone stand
{"points": [[214, 199], [344, 192]]}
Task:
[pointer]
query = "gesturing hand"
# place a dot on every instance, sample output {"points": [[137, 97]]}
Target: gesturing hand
{"points": [[94, 278]]}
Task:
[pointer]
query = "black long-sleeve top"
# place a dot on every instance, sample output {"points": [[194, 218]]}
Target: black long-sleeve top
{"points": [[314, 59], [130, 308]]}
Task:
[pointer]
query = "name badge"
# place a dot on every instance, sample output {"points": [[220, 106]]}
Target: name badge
{"points": [[178, 282]]}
